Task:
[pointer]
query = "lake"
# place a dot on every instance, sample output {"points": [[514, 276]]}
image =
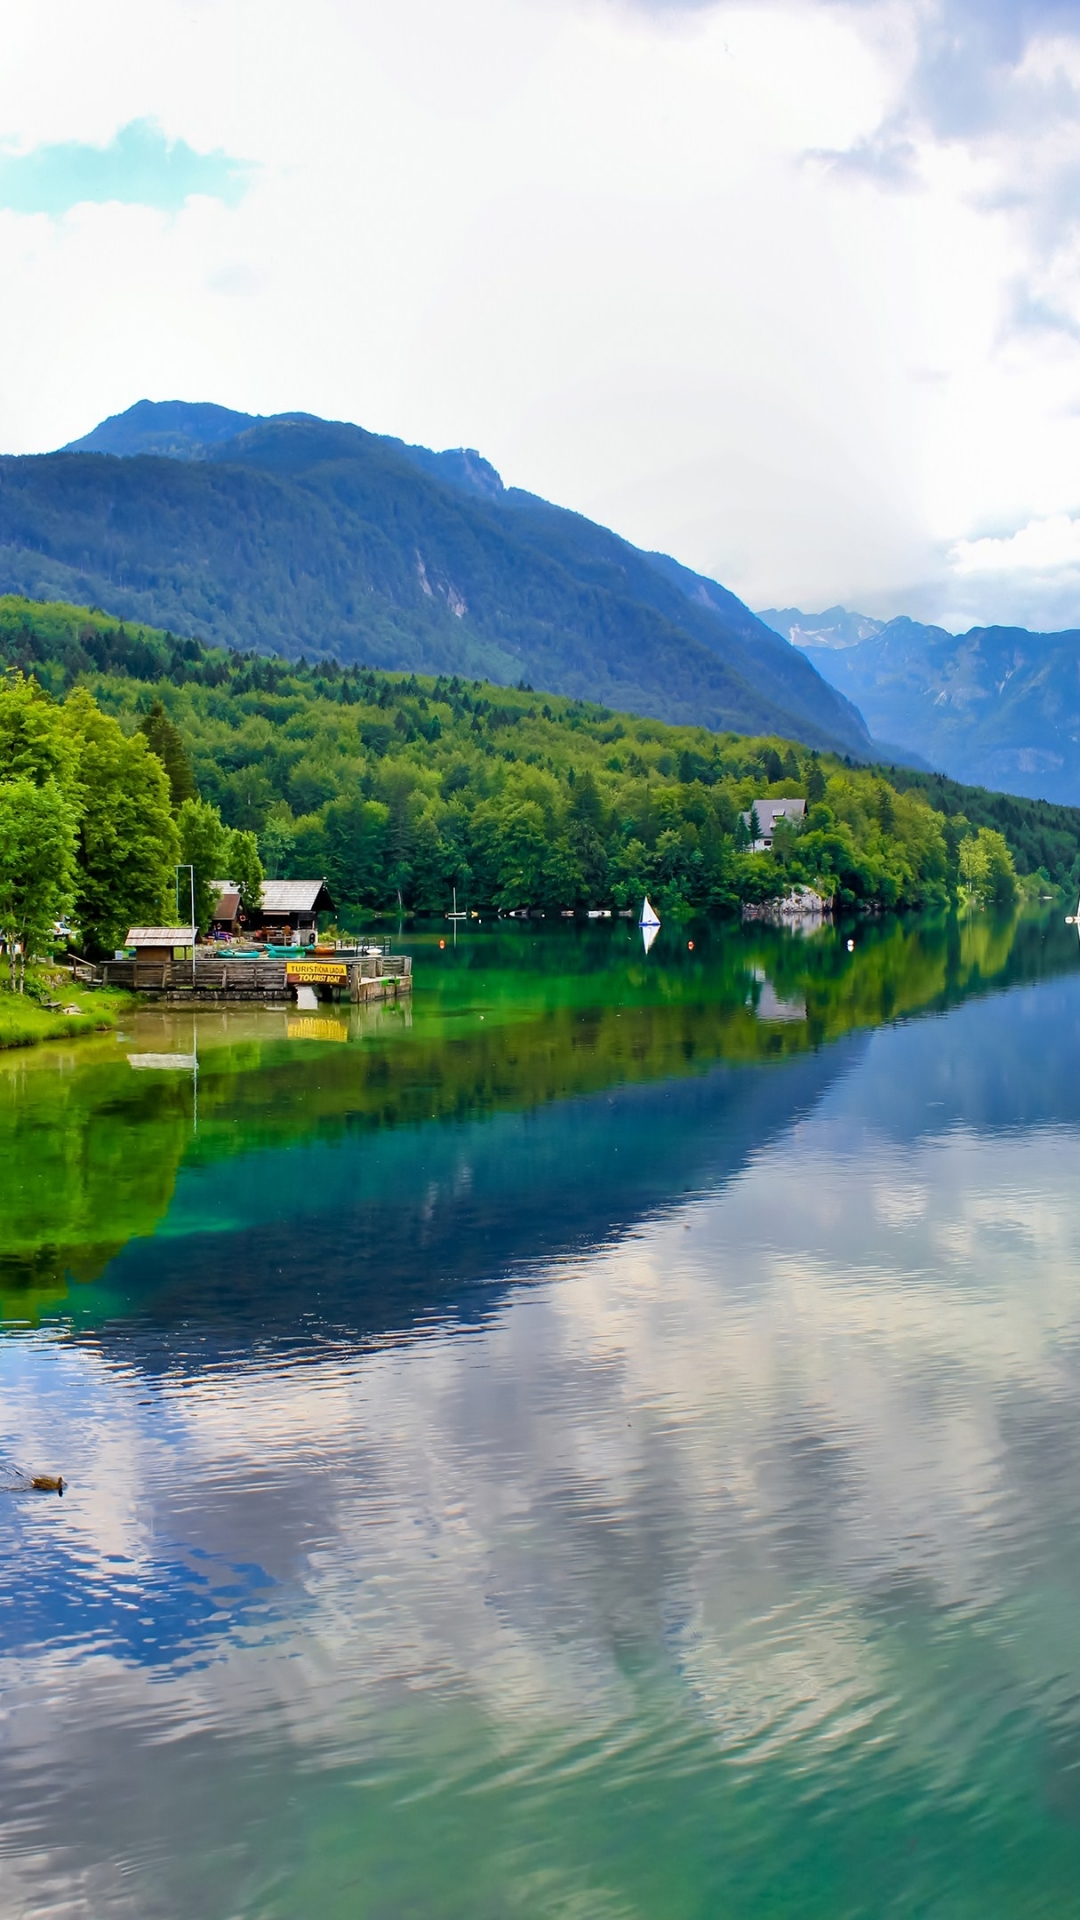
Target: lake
{"points": [[602, 1441]]}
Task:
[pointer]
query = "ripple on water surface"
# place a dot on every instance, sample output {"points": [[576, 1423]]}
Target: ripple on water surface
{"points": [[722, 1561]]}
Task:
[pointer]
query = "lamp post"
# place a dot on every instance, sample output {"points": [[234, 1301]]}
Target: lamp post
{"points": [[186, 867]]}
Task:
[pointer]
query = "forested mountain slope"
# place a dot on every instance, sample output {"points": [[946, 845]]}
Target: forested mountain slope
{"points": [[303, 536], [398, 787], [998, 705]]}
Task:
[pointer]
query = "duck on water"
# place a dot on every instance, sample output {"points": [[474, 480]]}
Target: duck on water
{"points": [[14, 1480]]}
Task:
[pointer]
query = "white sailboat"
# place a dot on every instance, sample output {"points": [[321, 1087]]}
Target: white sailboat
{"points": [[1073, 919], [649, 923]]}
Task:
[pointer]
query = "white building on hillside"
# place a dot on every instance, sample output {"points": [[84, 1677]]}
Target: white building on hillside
{"points": [[768, 812]]}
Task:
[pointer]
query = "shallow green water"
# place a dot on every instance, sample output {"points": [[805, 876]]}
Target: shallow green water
{"points": [[602, 1441]]}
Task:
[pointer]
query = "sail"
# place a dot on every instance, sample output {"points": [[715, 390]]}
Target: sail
{"points": [[649, 915]]}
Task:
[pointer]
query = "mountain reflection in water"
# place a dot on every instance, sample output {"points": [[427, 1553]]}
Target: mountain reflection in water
{"points": [[614, 1457], [514, 1038]]}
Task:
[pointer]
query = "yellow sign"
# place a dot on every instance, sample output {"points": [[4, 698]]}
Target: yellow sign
{"points": [[322, 972]]}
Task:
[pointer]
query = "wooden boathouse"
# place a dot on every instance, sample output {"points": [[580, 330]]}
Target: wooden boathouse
{"points": [[289, 911]]}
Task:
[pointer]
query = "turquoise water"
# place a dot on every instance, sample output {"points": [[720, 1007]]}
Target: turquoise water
{"points": [[604, 1441]]}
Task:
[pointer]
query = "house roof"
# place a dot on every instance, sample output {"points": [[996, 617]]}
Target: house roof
{"points": [[228, 903], [160, 937], [769, 809], [296, 896]]}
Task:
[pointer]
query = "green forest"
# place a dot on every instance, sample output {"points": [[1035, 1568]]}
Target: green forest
{"points": [[126, 750]]}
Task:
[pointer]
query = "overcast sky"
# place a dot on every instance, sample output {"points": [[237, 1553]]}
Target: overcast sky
{"points": [[789, 290]]}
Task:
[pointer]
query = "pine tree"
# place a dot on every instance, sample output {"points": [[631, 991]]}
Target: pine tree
{"points": [[163, 738]]}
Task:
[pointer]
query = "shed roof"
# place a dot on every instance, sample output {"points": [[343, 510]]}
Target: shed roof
{"points": [[296, 896], [228, 902], [160, 937]]}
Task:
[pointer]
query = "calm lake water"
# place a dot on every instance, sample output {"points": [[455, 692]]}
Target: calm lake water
{"points": [[602, 1442]]}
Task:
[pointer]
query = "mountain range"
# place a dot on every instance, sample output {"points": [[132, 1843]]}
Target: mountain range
{"points": [[302, 536], [997, 706]]}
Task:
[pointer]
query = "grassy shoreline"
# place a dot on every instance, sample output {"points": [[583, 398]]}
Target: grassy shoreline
{"points": [[25, 1023]]}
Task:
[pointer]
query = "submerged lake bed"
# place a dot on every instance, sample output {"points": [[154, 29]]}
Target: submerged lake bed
{"points": [[602, 1440]]}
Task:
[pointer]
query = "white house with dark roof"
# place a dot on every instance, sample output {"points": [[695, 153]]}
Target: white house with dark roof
{"points": [[768, 813]]}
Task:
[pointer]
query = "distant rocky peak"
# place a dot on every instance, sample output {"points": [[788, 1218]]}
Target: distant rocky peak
{"points": [[836, 627]]}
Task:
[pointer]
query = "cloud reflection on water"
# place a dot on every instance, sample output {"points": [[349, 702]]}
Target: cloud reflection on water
{"points": [[697, 1483]]}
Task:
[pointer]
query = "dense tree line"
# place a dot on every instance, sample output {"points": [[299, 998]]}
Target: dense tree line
{"points": [[92, 827], [85, 821], [1042, 835], [397, 788]]}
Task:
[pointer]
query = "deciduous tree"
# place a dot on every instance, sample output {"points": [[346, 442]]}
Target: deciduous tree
{"points": [[37, 866], [204, 846], [34, 742], [246, 869], [986, 868], [127, 840]]}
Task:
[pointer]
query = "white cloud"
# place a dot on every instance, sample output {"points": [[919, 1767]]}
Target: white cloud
{"points": [[588, 239], [1043, 546]]}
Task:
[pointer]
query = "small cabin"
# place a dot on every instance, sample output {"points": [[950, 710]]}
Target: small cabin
{"points": [[768, 813], [227, 916], [290, 911], [160, 943], [155, 950]]}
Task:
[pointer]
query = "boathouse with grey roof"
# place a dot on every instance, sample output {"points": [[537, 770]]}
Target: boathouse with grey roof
{"points": [[290, 910]]}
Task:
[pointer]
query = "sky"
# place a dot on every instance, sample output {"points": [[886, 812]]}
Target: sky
{"points": [[791, 290]]}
